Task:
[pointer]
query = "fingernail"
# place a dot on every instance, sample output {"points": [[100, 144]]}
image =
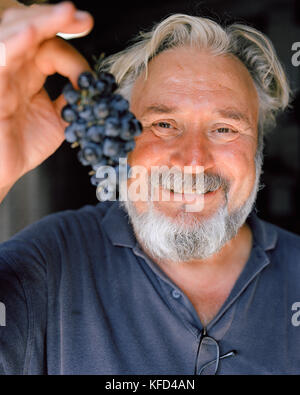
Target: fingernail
{"points": [[80, 15], [69, 36]]}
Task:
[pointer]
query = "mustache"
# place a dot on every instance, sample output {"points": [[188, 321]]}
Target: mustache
{"points": [[181, 182]]}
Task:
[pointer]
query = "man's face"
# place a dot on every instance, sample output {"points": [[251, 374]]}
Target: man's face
{"points": [[198, 109]]}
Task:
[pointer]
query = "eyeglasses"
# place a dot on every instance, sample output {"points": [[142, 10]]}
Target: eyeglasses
{"points": [[209, 354]]}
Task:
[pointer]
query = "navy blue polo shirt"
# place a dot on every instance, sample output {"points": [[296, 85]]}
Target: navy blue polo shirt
{"points": [[81, 297]]}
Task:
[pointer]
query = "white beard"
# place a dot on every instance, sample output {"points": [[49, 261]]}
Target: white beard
{"points": [[175, 240]]}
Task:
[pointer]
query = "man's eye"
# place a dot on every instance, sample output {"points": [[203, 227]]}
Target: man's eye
{"points": [[165, 129], [224, 134], [225, 130], [164, 125]]}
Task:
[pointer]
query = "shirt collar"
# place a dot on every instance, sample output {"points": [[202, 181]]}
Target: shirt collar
{"points": [[265, 235], [118, 228]]}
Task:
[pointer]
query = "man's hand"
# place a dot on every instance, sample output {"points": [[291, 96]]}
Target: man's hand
{"points": [[31, 128], [4, 4]]}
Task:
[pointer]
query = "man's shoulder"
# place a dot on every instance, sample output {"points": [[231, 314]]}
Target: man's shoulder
{"points": [[60, 230], [286, 242], [86, 212], [83, 216]]}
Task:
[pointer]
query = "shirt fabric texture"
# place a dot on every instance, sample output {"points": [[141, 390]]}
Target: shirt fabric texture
{"points": [[81, 297]]}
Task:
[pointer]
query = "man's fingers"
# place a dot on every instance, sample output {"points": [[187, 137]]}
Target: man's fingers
{"points": [[15, 47], [31, 34], [82, 23], [57, 56], [69, 36], [46, 20]]}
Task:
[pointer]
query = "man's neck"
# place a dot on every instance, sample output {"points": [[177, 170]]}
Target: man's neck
{"points": [[208, 282]]}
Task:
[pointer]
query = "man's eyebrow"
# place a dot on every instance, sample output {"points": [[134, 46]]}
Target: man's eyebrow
{"points": [[233, 113], [159, 109], [229, 113]]}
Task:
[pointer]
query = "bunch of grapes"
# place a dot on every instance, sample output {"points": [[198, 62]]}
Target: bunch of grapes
{"points": [[101, 124]]}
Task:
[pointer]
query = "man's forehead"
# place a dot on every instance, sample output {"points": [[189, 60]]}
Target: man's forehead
{"points": [[197, 75], [201, 65]]}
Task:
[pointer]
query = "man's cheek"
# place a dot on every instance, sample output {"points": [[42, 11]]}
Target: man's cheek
{"points": [[241, 186], [147, 154]]}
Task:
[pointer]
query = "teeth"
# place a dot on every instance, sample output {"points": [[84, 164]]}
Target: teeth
{"points": [[191, 191]]}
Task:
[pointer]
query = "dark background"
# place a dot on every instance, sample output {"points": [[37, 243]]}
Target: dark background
{"points": [[62, 183]]}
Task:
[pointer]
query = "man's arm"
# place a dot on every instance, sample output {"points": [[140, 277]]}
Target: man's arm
{"points": [[15, 332], [31, 128], [24, 294]]}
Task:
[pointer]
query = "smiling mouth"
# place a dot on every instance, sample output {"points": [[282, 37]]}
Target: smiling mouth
{"points": [[189, 194], [192, 191]]}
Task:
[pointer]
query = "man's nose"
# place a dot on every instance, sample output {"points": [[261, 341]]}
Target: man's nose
{"points": [[192, 150]]}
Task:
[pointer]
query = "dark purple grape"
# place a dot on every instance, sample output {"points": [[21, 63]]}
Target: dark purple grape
{"points": [[80, 128], [112, 127], [136, 127], [111, 147], [114, 160], [127, 133], [69, 113], [119, 104], [109, 80], [102, 162], [91, 152], [104, 75], [102, 87], [100, 121], [82, 160], [70, 134], [71, 95], [85, 80], [93, 92], [95, 133], [129, 145], [130, 129], [87, 113], [122, 152], [101, 109]]}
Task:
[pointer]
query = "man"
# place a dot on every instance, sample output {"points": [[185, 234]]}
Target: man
{"points": [[148, 286]]}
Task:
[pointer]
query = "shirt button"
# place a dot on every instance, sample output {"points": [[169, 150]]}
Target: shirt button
{"points": [[176, 294]]}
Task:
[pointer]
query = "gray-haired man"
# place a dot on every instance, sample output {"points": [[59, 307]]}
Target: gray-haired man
{"points": [[171, 291]]}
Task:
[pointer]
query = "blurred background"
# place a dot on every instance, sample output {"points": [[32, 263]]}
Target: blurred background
{"points": [[61, 182]]}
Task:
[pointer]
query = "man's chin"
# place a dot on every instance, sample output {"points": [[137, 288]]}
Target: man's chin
{"points": [[180, 236], [182, 213], [177, 235]]}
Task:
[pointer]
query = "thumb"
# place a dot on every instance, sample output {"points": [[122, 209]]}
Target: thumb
{"points": [[57, 56], [80, 28], [69, 36]]}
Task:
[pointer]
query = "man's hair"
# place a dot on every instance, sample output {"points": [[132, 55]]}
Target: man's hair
{"points": [[249, 45]]}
